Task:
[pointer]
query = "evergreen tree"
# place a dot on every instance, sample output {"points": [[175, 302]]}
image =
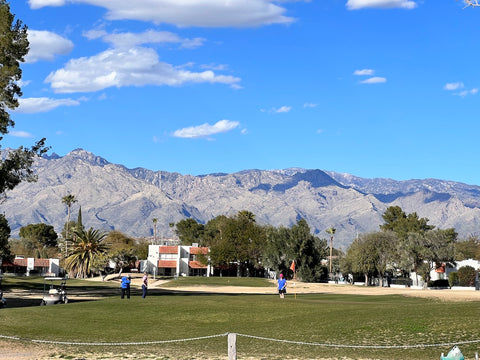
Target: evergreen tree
{"points": [[5, 252], [15, 167]]}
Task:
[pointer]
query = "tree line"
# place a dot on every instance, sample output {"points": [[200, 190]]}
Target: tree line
{"points": [[405, 243], [239, 241]]}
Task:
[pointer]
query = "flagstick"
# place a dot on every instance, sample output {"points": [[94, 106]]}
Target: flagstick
{"points": [[294, 290], [294, 268]]}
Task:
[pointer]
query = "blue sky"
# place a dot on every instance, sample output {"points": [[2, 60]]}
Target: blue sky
{"points": [[374, 88]]}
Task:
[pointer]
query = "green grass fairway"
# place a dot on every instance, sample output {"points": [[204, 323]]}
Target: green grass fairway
{"points": [[345, 320]]}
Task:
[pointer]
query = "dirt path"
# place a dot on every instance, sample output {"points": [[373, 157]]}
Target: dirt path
{"points": [[315, 288]]}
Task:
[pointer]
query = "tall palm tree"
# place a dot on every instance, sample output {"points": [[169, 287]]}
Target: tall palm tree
{"points": [[88, 245], [331, 230], [155, 220], [68, 200]]}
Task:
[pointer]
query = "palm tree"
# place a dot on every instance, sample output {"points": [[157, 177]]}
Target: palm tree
{"points": [[68, 200], [331, 230], [88, 246], [155, 230]]}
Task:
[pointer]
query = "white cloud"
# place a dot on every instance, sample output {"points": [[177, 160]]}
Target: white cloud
{"points": [[453, 86], [37, 4], [45, 45], [381, 4], [374, 80], [184, 13], [127, 40], [459, 86], [205, 130], [309, 105], [20, 134], [282, 109], [467, 92], [218, 67], [126, 67], [43, 104], [362, 72]]}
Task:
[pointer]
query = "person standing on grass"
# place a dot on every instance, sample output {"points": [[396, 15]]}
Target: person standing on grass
{"points": [[282, 286], [144, 284], [125, 287]]}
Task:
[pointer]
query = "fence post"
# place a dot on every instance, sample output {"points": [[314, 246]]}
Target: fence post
{"points": [[441, 356], [476, 356], [232, 346]]}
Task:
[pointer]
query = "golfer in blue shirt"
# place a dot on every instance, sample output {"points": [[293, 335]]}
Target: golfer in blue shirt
{"points": [[125, 287], [282, 286]]}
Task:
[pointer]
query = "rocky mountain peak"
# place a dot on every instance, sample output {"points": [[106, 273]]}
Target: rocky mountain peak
{"points": [[114, 197], [86, 156]]}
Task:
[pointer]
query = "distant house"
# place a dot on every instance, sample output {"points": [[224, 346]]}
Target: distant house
{"points": [[178, 260], [442, 271], [30, 266]]}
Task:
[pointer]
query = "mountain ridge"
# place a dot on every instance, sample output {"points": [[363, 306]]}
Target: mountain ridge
{"points": [[113, 196]]}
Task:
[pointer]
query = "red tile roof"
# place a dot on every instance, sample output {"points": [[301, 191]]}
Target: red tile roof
{"points": [[41, 263], [167, 263], [168, 250], [199, 250], [196, 265], [20, 262]]}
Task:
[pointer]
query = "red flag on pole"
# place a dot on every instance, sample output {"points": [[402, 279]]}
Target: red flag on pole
{"points": [[292, 267]]}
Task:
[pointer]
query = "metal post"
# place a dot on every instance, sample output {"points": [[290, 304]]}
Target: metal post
{"points": [[476, 356], [441, 356], [232, 346]]}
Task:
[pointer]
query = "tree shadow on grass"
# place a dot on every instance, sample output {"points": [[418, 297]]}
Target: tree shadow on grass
{"points": [[86, 294]]}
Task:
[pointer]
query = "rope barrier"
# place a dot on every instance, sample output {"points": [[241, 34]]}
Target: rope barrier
{"points": [[361, 346], [110, 344], [242, 335]]}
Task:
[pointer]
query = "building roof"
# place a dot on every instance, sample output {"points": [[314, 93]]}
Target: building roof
{"points": [[20, 262], [198, 250], [196, 265], [41, 263], [168, 250], [167, 263]]}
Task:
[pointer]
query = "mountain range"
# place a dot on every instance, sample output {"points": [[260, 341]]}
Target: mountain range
{"points": [[112, 196]]}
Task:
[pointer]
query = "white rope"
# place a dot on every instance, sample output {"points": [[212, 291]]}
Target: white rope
{"points": [[243, 335], [360, 346], [111, 344]]}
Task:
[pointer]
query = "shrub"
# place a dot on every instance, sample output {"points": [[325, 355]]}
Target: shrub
{"points": [[453, 278], [466, 276], [442, 283], [402, 281]]}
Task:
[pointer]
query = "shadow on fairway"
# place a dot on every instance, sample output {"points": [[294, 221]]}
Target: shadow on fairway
{"points": [[86, 294]]}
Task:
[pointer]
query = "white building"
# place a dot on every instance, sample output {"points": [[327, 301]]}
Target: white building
{"points": [[31, 266], [178, 260], [442, 271]]}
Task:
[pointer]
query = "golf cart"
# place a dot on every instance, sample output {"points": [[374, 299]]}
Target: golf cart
{"points": [[3, 302], [54, 291]]}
